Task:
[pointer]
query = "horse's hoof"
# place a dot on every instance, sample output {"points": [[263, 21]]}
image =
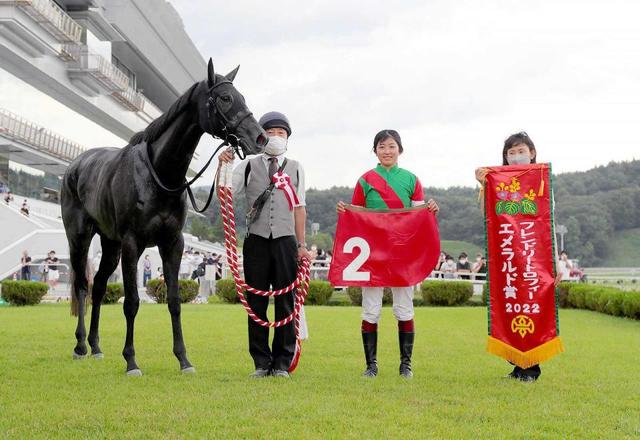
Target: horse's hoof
{"points": [[98, 356], [77, 356], [189, 370], [136, 372]]}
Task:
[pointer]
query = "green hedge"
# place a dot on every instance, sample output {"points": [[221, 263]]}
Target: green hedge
{"points": [[226, 289], [157, 289], [485, 294], [319, 292], [563, 294], [446, 293], [114, 292], [23, 293], [355, 295], [609, 300]]}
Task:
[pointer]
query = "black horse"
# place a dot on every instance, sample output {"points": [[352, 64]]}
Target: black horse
{"points": [[134, 198]]}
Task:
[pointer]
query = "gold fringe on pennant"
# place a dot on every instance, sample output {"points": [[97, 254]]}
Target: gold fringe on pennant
{"points": [[541, 190], [525, 359], [481, 197]]}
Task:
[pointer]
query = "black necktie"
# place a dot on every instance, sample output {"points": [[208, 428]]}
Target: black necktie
{"points": [[273, 167]]}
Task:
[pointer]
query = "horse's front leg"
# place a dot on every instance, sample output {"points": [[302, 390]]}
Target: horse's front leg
{"points": [[78, 249], [130, 254], [171, 253]]}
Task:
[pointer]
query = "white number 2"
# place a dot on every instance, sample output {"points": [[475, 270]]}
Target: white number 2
{"points": [[350, 272]]}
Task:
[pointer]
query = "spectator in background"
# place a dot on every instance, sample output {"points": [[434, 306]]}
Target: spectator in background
{"points": [[441, 260], [321, 262], [51, 265], [481, 266], [146, 270], [8, 198], [24, 209], [476, 264], [218, 263], [95, 262], [463, 267], [565, 266], [448, 268], [159, 274], [25, 272], [184, 266]]}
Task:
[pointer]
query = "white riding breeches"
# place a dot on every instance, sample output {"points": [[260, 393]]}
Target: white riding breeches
{"points": [[372, 303]]}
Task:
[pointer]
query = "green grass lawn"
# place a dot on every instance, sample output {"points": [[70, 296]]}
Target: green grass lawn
{"points": [[591, 391], [625, 249], [455, 248]]}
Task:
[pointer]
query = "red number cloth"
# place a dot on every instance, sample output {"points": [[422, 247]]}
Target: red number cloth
{"points": [[523, 320], [384, 248]]}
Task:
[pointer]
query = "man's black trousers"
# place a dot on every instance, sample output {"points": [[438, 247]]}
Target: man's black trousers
{"points": [[271, 262]]}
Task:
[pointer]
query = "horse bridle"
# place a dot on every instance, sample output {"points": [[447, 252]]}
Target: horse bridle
{"points": [[229, 127], [229, 138]]}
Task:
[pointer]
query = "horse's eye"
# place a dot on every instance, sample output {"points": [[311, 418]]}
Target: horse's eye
{"points": [[226, 98]]}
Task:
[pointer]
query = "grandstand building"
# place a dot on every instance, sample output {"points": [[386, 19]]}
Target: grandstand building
{"points": [[74, 75]]}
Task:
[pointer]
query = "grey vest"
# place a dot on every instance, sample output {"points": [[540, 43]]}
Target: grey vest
{"points": [[276, 219]]}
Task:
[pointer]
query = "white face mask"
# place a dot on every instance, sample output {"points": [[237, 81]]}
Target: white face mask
{"points": [[276, 146], [519, 159]]}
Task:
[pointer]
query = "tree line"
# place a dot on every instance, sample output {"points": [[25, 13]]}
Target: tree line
{"points": [[592, 204]]}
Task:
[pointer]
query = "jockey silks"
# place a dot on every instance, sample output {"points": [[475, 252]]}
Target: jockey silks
{"points": [[380, 188]]}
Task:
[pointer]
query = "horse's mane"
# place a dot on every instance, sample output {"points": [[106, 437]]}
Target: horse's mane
{"points": [[160, 124]]}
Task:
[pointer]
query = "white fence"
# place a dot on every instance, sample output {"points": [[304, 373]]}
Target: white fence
{"points": [[51, 17], [17, 128]]}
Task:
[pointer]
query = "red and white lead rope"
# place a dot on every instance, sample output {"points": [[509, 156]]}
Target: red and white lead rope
{"points": [[301, 283]]}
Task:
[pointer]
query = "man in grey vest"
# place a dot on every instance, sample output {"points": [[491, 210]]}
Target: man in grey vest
{"points": [[275, 241]]}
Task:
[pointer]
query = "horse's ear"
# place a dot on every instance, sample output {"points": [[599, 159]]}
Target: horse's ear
{"points": [[211, 76], [232, 75]]}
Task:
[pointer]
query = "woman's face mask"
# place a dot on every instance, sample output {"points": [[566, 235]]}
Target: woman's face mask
{"points": [[519, 159], [276, 146], [519, 155]]}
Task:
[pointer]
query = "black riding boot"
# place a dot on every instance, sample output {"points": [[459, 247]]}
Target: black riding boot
{"points": [[370, 344], [406, 349]]}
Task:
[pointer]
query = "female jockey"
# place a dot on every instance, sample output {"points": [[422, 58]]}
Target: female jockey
{"points": [[388, 187]]}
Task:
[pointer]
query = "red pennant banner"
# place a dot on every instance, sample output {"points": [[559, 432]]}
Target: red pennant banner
{"points": [[394, 248], [523, 318]]}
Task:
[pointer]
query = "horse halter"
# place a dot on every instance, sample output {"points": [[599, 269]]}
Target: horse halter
{"points": [[229, 126], [229, 137]]}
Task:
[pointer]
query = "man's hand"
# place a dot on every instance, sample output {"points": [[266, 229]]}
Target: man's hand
{"points": [[226, 156], [304, 253], [340, 207]]}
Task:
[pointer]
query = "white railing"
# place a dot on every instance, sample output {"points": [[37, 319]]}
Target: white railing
{"points": [[14, 127], [82, 60], [131, 99], [613, 274], [53, 18]]}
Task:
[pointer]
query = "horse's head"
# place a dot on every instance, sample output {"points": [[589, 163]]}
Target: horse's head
{"points": [[224, 113]]}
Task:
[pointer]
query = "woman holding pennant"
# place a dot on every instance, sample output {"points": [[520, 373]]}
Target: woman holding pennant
{"points": [[520, 150], [388, 187]]}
